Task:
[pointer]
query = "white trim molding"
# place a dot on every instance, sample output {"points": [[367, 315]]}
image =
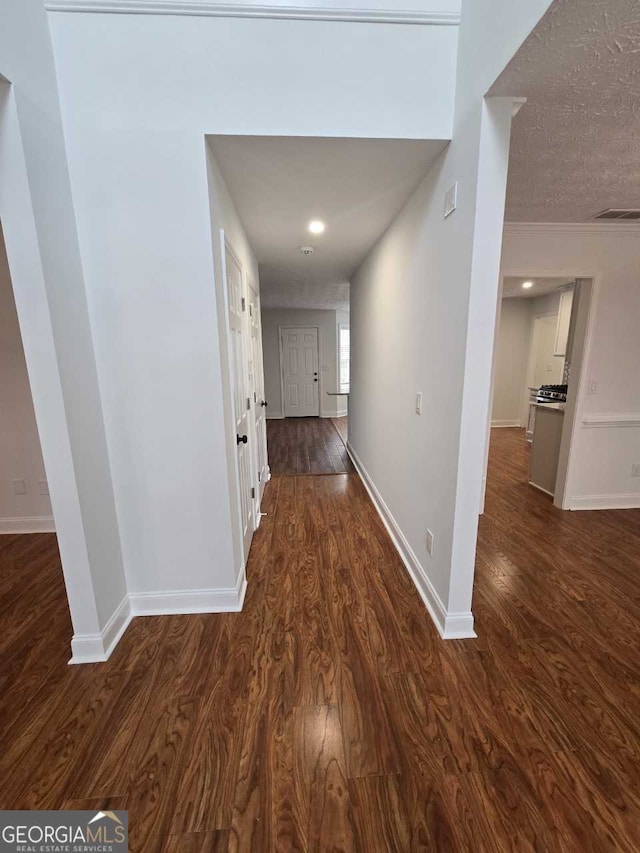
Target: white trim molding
{"points": [[611, 420], [335, 11], [623, 501], [450, 625], [182, 601], [29, 524], [275, 416], [95, 648], [570, 227]]}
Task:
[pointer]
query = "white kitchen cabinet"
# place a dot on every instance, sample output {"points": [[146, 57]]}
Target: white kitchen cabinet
{"points": [[564, 319], [545, 449]]}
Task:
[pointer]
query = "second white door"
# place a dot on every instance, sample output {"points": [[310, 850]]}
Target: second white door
{"points": [[299, 349], [241, 400]]}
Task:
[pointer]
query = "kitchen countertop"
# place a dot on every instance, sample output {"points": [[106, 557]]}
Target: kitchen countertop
{"points": [[556, 407]]}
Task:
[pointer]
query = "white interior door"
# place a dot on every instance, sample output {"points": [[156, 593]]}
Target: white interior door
{"points": [[241, 399], [258, 390], [299, 349]]}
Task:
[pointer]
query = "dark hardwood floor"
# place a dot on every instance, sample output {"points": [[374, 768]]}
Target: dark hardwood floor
{"points": [[342, 424], [300, 446], [328, 715]]}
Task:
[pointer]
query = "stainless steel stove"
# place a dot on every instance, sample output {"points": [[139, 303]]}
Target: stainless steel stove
{"points": [[544, 394], [551, 394]]}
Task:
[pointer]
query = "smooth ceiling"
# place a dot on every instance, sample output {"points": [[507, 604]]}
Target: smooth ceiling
{"points": [[576, 143], [356, 186], [512, 286]]}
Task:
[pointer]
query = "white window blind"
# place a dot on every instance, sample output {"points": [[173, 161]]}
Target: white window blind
{"points": [[344, 356]]}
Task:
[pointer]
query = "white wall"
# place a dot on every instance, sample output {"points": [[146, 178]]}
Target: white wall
{"points": [[40, 232], [139, 94], [327, 323], [20, 453], [601, 456], [548, 303], [423, 310], [512, 355]]}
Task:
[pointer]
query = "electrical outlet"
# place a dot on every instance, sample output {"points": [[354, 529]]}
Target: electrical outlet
{"points": [[419, 403], [592, 387], [429, 543], [635, 469], [19, 487]]}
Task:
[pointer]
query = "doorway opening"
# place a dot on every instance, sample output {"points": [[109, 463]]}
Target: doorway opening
{"points": [[541, 333], [296, 216], [31, 579], [310, 436]]}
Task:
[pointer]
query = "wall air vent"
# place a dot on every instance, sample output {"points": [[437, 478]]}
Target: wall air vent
{"points": [[619, 213]]}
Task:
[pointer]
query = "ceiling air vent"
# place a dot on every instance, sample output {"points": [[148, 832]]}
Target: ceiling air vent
{"points": [[307, 250], [624, 213]]}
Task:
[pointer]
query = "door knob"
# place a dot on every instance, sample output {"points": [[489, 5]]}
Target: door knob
{"points": [[241, 439], [263, 403]]}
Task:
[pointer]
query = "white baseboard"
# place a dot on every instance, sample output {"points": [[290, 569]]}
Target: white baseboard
{"points": [[175, 602], [451, 626], [275, 416], [29, 524], [540, 489], [94, 648], [628, 501], [342, 414], [495, 424]]}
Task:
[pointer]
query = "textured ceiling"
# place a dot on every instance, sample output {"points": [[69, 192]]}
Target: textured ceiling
{"points": [[512, 286], [356, 186], [576, 143]]}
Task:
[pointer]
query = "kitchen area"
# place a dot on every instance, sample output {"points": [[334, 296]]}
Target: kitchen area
{"points": [[534, 345]]}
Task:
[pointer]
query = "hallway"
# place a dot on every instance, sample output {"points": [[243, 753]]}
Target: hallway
{"points": [[300, 446], [328, 714]]}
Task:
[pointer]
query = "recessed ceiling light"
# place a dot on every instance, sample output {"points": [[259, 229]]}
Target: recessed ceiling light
{"points": [[316, 226], [527, 284]]}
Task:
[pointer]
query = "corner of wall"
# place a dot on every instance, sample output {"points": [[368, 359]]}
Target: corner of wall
{"points": [[450, 625], [96, 648]]}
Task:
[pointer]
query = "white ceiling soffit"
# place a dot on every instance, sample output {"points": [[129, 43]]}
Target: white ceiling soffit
{"points": [[575, 146], [422, 12], [355, 186], [512, 286]]}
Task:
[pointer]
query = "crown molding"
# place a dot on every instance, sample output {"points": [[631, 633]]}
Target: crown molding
{"points": [[205, 8], [570, 227]]}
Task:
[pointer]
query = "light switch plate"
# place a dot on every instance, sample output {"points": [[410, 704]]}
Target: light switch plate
{"points": [[450, 200], [419, 403], [429, 543]]}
